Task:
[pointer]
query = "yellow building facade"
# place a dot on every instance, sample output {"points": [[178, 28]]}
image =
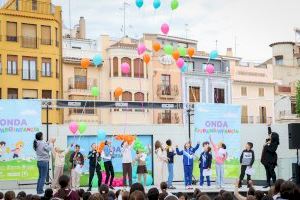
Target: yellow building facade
{"points": [[31, 52]]}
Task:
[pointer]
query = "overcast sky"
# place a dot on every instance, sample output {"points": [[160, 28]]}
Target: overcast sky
{"points": [[254, 23]]}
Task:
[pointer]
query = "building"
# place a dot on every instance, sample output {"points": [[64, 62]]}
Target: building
{"points": [[253, 90], [30, 52], [77, 82], [286, 71]]}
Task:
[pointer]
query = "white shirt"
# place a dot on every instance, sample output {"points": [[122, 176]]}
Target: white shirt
{"points": [[126, 153]]}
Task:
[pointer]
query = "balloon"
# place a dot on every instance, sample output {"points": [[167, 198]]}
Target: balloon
{"points": [[174, 4], [73, 127], [146, 58], [180, 63], [168, 49], [156, 46], [184, 68], [141, 49], [191, 51], [149, 180], [125, 68], [85, 62], [165, 28], [139, 3], [134, 170], [213, 54], [182, 51], [118, 92], [82, 127], [95, 91], [101, 135], [175, 54], [210, 69], [156, 4], [97, 60]]}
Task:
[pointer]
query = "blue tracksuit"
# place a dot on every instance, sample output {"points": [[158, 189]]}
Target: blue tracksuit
{"points": [[188, 162], [204, 163]]}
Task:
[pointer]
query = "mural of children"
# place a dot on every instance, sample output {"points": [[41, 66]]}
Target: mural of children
{"points": [[17, 151], [2, 148]]}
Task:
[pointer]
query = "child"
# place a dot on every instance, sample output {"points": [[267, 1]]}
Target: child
{"points": [[126, 162], [107, 155], [246, 160], [2, 146], [205, 163], [141, 168], [77, 161], [170, 154], [188, 161], [220, 156]]}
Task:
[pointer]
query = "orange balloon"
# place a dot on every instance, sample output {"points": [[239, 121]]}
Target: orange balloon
{"points": [[191, 51], [100, 147], [85, 62], [156, 46], [146, 58], [176, 54], [118, 92]]}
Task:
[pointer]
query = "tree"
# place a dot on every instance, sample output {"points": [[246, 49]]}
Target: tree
{"points": [[298, 99]]}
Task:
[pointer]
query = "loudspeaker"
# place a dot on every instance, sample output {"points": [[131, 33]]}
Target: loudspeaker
{"points": [[296, 173], [294, 136]]}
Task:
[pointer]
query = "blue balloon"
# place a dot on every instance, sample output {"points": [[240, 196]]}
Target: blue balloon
{"points": [[156, 4], [134, 170], [213, 54], [97, 60], [101, 135], [139, 3], [184, 68], [149, 180]]}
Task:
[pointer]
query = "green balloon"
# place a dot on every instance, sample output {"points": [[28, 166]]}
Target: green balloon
{"points": [[82, 127], [95, 91], [168, 49], [174, 4], [182, 51]]}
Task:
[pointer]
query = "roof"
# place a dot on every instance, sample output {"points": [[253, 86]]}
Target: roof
{"points": [[124, 45], [284, 42]]}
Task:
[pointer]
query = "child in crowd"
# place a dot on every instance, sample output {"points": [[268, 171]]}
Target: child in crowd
{"points": [[170, 154], [220, 156], [205, 163], [247, 159], [188, 162]]}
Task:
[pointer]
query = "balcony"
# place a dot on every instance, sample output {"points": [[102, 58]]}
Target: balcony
{"points": [[287, 115], [29, 6], [264, 120], [257, 120], [167, 91], [81, 85], [171, 118], [84, 115]]}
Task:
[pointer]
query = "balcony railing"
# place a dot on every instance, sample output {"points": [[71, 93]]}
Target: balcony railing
{"points": [[263, 120], [287, 115], [46, 41], [81, 84], [29, 42], [167, 91], [29, 6], [164, 118], [258, 120]]}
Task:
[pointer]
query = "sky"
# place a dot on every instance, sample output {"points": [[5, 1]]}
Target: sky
{"points": [[253, 24]]}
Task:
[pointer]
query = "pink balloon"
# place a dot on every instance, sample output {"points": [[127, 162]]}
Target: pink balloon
{"points": [[141, 49], [165, 28], [125, 68], [180, 63], [210, 69], [73, 127]]}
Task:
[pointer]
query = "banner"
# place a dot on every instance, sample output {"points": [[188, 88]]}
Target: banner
{"points": [[19, 122], [223, 123], [85, 143]]}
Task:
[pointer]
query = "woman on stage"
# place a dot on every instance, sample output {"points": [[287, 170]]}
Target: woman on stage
{"points": [[126, 162], [94, 158], [107, 154], [161, 162]]}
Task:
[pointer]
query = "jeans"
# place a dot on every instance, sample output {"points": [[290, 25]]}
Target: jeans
{"points": [[220, 174], [171, 174], [43, 171], [188, 174], [202, 178], [109, 169]]}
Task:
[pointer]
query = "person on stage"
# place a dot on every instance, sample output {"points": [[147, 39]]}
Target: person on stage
{"points": [[127, 162], [94, 158], [77, 161], [205, 161], [107, 154], [188, 162], [269, 157], [141, 166], [161, 162], [247, 159], [170, 154], [42, 150]]}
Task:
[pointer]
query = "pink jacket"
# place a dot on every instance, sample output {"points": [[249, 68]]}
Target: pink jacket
{"points": [[220, 154]]}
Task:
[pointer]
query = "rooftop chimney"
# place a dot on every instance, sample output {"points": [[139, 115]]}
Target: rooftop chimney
{"points": [[229, 52], [82, 28]]}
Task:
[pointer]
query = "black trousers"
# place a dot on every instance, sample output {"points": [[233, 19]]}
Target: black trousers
{"points": [[109, 169], [127, 171], [270, 173], [92, 172], [242, 175]]}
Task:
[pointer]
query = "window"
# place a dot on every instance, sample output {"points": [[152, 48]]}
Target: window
{"points": [[11, 32], [12, 93], [80, 78], [56, 37], [191, 66], [34, 4], [46, 35], [30, 94], [262, 115], [46, 67], [194, 94], [261, 92], [244, 114], [279, 60], [244, 91], [166, 117], [29, 71], [219, 95], [293, 108], [57, 68], [46, 94], [127, 60], [29, 38], [12, 64], [166, 84], [126, 96], [139, 96], [115, 67], [0, 93], [0, 64], [204, 66], [138, 68], [57, 95]]}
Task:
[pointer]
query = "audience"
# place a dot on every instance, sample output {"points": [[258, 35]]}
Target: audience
{"points": [[9, 195], [162, 196], [1, 196], [21, 195], [86, 195], [125, 195], [48, 194], [153, 194], [181, 196], [96, 196], [137, 186], [137, 195], [65, 192]]}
